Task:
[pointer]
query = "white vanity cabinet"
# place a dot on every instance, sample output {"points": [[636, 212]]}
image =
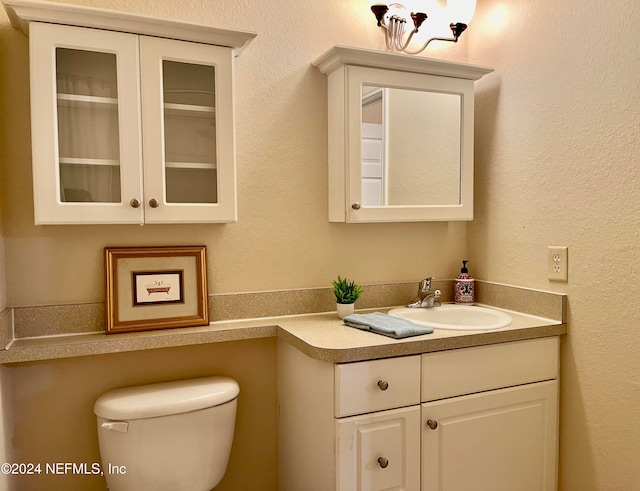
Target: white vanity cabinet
{"points": [[377, 446], [481, 418], [491, 420], [502, 440], [132, 117], [379, 450]]}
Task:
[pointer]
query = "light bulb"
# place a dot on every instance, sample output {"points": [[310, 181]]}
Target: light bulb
{"points": [[461, 11], [414, 5], [399, 10]]}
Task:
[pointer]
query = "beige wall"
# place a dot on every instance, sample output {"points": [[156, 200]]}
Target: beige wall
{"points": [[5, 404], [3, 283], [4, 158], [424, 148], [5, 420], [282, 240], [557, 146]]}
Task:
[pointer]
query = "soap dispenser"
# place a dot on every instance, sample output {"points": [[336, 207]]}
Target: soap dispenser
{"points": [[465, 292]]}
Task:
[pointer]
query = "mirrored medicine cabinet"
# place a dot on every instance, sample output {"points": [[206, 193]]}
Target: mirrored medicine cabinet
{"points": [[400, 136]]}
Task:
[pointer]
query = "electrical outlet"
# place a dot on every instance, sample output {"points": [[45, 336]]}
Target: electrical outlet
{"points": [[557, 265]]}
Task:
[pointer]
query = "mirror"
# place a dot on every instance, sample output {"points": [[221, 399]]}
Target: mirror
{"points": [[400, 136], [410, 147]]}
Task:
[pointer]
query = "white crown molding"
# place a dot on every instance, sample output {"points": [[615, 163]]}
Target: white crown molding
{"points": [[23, 12], [339, 56]]}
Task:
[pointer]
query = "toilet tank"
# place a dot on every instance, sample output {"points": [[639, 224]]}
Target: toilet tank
{"points": [[170, 436]]}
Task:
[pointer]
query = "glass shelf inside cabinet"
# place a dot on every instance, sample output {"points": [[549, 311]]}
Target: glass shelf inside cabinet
{"points": [[190, 133], [88, 131]]}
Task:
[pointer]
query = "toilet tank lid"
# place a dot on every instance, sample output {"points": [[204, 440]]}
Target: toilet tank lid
{"points": [[163, 399]]}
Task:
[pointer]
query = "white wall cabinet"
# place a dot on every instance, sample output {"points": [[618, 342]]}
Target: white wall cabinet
{"points": [[425, 109], [482, 418], [129, 127]]}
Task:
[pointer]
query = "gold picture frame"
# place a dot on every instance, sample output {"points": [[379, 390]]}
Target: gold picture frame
{"points": [[155, 288]]}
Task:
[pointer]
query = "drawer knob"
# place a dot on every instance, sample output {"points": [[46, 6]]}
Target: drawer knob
{"points": [[383, 384], [383, 462], [432, 424]]}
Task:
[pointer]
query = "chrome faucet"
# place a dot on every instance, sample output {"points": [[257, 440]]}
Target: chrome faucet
{"points": [[425, 298]]}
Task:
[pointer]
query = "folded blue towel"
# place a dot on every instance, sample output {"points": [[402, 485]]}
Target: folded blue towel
{"points": [[386, 325]]}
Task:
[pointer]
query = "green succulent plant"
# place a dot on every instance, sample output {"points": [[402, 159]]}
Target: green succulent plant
{"points": [[345, 290]]}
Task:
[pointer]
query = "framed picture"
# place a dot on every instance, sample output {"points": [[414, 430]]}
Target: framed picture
{"points": [[155, 288]]}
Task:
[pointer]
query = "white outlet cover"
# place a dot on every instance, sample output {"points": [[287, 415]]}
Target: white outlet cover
{"points": [[558, 267]]}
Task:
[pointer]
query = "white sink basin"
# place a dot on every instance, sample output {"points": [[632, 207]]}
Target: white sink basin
{"points": [[456, 317]]}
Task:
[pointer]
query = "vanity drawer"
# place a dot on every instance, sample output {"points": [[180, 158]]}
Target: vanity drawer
{"points": [[374, 385], [469, 370]]}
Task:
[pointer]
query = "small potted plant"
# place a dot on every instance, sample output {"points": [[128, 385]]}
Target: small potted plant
{"points": [[346, 292]]}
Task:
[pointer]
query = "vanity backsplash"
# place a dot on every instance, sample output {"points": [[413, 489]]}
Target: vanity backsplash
{"points": [[55, 320]]}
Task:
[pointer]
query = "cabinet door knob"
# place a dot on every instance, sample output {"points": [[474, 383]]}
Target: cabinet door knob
{"points": [[135, 203], [153, 203], [356, 206], [432, 424], [383, 384], [383, 462]]}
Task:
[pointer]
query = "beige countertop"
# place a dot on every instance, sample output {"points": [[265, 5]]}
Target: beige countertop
{"points": [[321, 336]]}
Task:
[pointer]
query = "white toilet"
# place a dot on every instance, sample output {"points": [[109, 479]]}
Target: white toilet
{"points": [[173, 436]]}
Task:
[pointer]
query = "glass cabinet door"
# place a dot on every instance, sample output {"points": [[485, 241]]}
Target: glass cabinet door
{"points": [[188, 131], [88, 140], [88, 168]]}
